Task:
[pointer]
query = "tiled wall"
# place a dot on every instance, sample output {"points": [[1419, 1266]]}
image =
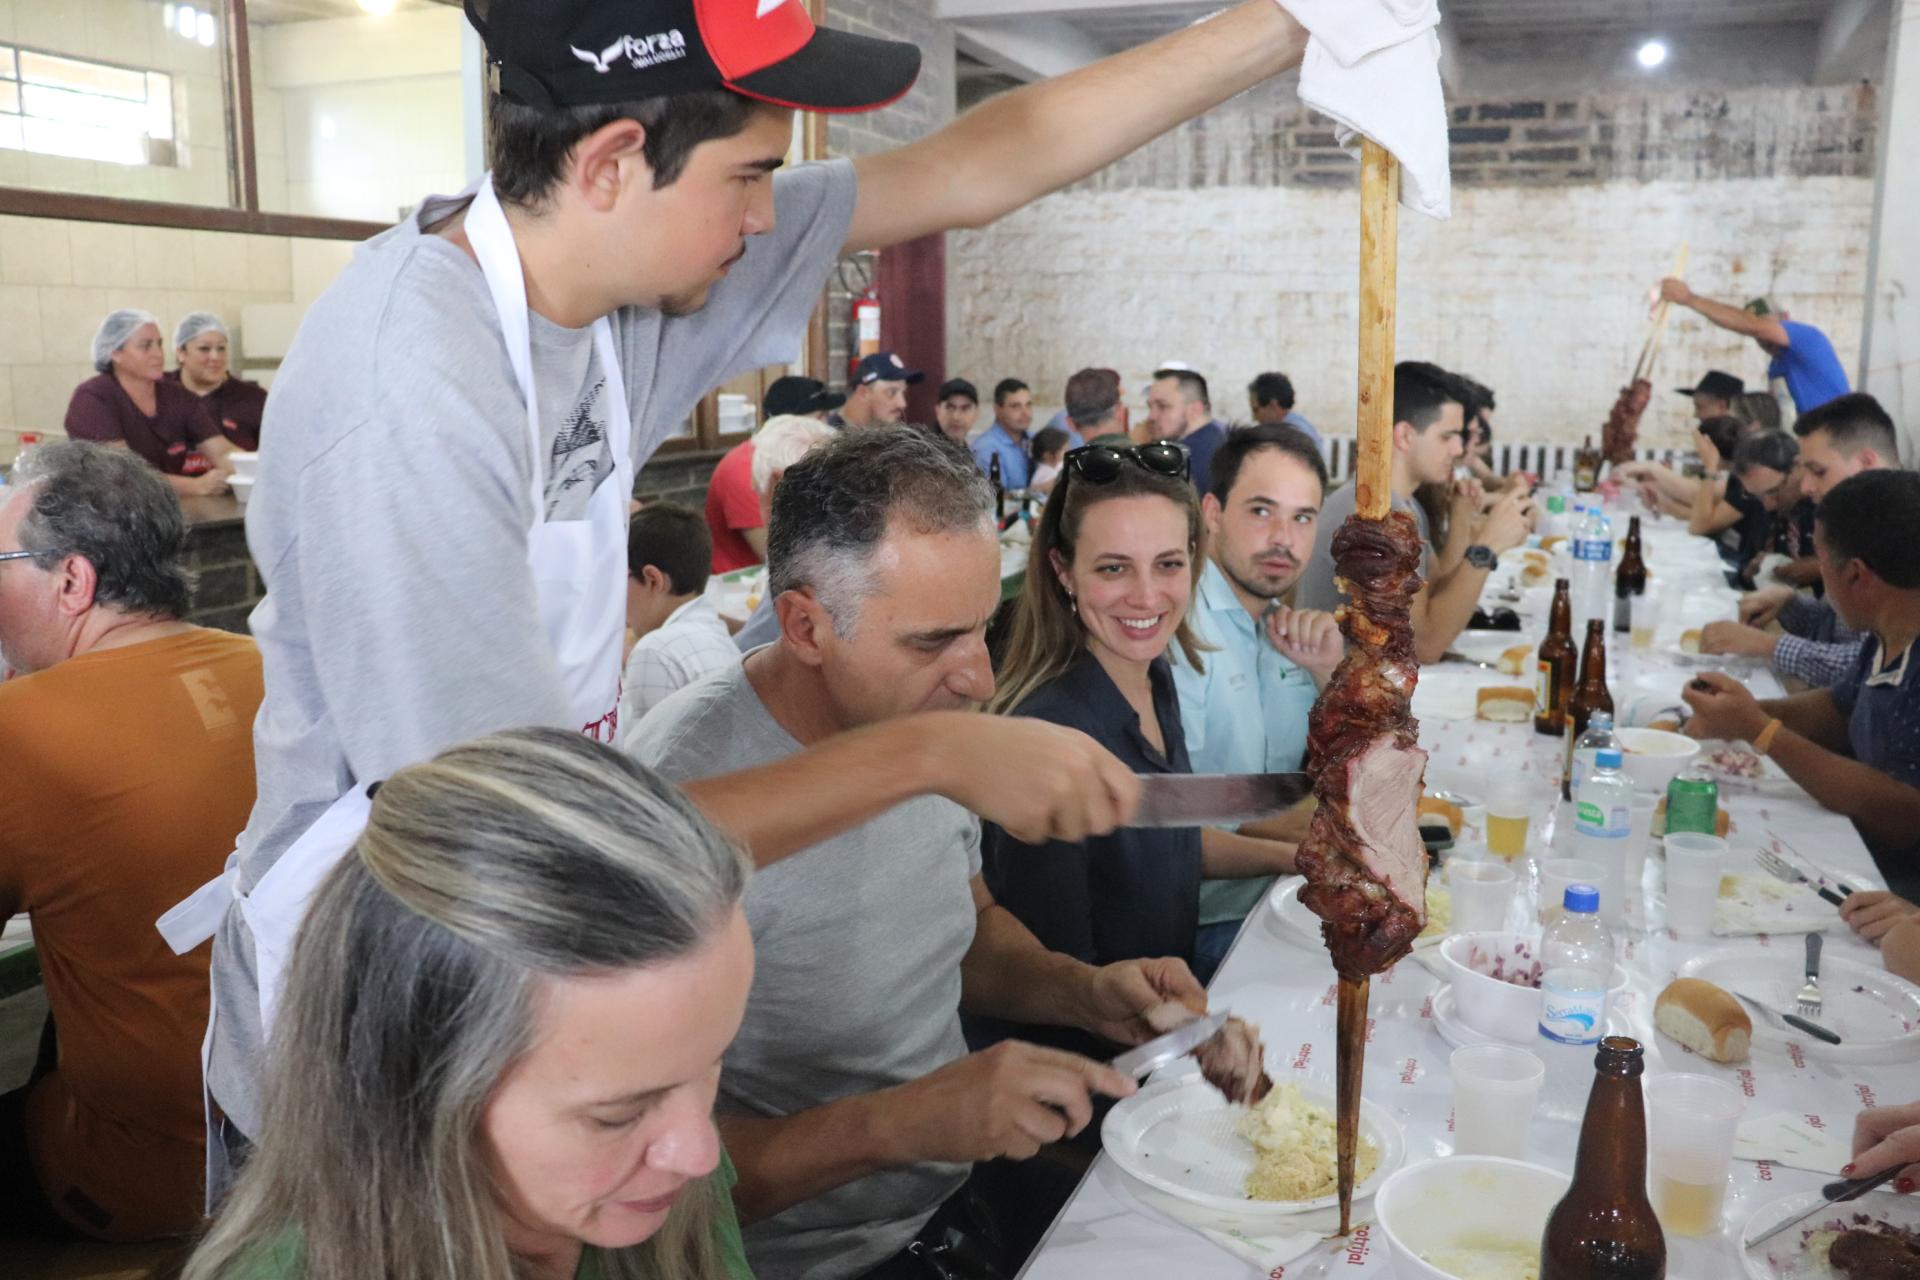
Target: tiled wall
{"points": [[59, 278]]}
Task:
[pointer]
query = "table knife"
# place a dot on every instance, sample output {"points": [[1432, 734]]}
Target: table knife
{"points": [[1145, 1059], [1832, 1194], [1211, 799], [1794, 1020]]}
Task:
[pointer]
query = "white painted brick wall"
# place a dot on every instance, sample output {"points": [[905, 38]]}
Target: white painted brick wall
{"points": [[1537, 291]]}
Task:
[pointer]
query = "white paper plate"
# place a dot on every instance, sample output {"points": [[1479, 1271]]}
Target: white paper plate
{"points": [[1447, 1021], [1449, 695], [1876, 1015], [1772, 778], [1294, 921], [1180, 1137], [1487, 646], [1785, 1257]]}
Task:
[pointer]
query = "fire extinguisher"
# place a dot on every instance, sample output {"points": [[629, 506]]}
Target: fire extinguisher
{"points": [[866, 321]]}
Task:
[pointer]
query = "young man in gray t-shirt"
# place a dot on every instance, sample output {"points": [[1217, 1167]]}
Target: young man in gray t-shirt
{"points": [[848, 1101], [636, 178]]}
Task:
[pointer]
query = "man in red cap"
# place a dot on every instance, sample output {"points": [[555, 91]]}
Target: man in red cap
{"points": [[443, 538]]}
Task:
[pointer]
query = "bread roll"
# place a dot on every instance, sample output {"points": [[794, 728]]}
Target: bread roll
{"points": [[1690, 641], [1504, 704], [1553, 540], [1722, 820], [1705, 1019], [1516, 659], [1433, 808]]}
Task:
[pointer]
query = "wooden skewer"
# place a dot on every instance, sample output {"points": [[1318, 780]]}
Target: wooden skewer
{"points": [[1379, 254], [1373, 500], [1643, 367]]}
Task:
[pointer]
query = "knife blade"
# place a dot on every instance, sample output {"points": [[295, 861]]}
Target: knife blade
{"points": [[1794, 1020], [1145, 1059], [1833, 1193], [1208, 799]]}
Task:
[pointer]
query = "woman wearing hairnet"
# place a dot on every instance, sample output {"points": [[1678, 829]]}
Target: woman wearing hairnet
{"points": [[200, 346], [132, 406]]}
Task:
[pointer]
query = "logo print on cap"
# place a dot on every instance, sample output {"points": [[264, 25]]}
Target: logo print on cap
{"points": [[766, 7], [640, 52]]}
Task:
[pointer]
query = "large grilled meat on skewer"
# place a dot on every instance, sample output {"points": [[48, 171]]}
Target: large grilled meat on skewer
{"points": [[1365, 865]]}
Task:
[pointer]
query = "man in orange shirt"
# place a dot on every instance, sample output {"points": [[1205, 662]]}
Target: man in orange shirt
{"points": [[127, 736]]}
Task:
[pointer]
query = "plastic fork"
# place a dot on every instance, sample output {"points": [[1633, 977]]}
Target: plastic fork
{"points": [[1778, 867], [1839, 886], [1807, 1002]]}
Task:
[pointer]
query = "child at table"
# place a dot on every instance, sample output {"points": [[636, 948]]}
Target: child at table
{"points": [[1049, 449]]}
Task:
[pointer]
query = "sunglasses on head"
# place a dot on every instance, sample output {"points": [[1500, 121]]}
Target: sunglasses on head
{"points": [[1101, 463]]}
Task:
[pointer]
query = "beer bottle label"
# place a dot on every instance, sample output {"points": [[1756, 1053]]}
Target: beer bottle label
{"points": [[1543, 688]]}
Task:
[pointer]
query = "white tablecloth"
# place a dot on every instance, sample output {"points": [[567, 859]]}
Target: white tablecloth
{"points": [[1106, 1231]]}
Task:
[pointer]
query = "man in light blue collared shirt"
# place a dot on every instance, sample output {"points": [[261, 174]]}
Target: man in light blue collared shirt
{"points": [[1262, 518]]}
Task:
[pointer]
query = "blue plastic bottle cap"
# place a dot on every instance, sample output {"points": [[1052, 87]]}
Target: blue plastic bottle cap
{"points": [[1607, 758], [1582, 897]]}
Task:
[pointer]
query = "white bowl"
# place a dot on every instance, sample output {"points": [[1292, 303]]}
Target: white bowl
{"points": [[1464, 1202], [1653, 757], [242, 487], [1495, 1008], [245, 463]]}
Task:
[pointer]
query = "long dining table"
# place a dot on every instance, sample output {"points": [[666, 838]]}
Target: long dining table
{"points": [[1114, 1228]]}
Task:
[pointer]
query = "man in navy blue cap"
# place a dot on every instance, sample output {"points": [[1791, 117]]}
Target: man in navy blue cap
{"points": [[878, 395], [444, 538], [1713, 397]]}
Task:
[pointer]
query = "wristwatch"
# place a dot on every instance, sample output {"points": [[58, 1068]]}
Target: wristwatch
{"points": [[1481, 556]]}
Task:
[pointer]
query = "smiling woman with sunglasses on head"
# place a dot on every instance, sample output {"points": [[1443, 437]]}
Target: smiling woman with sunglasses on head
{"points": [[1112, 570]]}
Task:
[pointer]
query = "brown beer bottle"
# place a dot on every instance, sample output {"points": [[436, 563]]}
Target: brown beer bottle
{"points": [[1604, 1228], [1589, 695], [1554, 666], [1630, 579], [1586, 467]]}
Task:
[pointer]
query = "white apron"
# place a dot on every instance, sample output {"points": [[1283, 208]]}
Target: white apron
{"points": [[580, 573]]}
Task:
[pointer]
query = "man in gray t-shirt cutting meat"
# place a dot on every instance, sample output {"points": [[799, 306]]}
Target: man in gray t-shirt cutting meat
{"points": [[848, 1100], [634, 144]]}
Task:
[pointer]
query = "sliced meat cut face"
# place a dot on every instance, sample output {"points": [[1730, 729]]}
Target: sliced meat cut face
{"points": [[1383, 793]]}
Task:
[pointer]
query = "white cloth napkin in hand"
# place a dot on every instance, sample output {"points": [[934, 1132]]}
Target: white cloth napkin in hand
{"points": [[1785, 1138], [1373, 66]]}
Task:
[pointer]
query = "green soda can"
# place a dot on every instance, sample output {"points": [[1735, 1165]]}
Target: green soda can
{"points": [[1693, 803]]}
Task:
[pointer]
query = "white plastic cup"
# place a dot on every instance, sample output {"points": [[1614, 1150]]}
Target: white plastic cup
{"points": [[1639, 836], [1555, 875], [1481, 890], [1691, 1122], [1694, 861], [1643, 617], [1495, 1091], [1509, 814]]}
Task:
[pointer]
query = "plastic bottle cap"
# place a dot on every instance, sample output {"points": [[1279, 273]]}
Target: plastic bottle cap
{"points": [[1582, 898], [1600, 720], [1607, 758]]}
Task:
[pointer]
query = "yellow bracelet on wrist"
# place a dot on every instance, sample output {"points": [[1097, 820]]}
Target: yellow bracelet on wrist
{"points": [[1764, 739]]}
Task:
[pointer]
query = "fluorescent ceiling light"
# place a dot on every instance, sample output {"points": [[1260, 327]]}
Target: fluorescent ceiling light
{"points": [[206, 32], [1652, 54]]}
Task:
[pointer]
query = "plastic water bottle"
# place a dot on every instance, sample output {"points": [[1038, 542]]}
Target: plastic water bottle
{"points": [[1598, 737], [1592, 576], [1576, 958], [1602, 822]]}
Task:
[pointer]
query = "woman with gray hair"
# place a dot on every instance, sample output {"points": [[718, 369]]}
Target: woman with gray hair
{"points": [[500, 1039], [130, 405], [200, 343]]}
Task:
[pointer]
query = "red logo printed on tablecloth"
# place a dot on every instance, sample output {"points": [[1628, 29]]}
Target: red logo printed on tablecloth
{"points": [[1326, 1001], [1357, 1248], [1449, 1120], [1814, 1121], [1866, 1095], [1300, 1058], [1426, 1009], [1797, 1056], [1745, 1077], [1370, 1026], [1410, 1071], [1764, 1168]]}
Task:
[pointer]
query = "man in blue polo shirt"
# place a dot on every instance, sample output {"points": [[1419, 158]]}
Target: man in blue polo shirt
{"points": [[1262, 511], [1802, 356], [1180, 408], [1006, 439], [1856, 746]]}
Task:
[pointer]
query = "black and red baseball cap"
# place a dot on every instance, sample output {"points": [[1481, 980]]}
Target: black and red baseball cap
{"points": [[570, 53]]}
